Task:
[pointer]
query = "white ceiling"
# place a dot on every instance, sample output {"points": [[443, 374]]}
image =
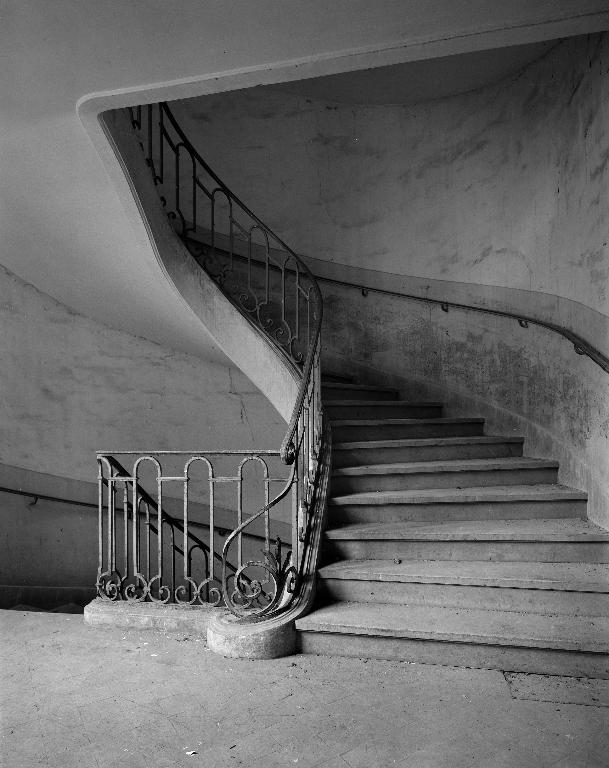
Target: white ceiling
{"points": [[416, 81]]}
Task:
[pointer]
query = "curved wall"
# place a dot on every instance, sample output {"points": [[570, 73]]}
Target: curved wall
{"points": [[524, 381], [505, 187], [73, 386], [67, 61], [499, 197]]}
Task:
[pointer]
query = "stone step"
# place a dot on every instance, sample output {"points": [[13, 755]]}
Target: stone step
{"points": [[329, 378], [462, 473], [539, 540], [508, 502], [523, 642], [344, 430], [382, 409], [424, 449], [574, 589], [331, 391]]}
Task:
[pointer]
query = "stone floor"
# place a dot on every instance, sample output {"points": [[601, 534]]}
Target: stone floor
{"points": [[79, 696]]}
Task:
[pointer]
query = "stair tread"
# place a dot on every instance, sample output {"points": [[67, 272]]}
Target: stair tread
{"points": [[511, 628], [554, 529], [376, 422], [447, 465], [361, 387], [384, 403], [415, 442], [580, 577], [484, 493]]}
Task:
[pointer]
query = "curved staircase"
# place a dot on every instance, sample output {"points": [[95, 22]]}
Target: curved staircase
{"points": [[447, 546], [443, 545]]}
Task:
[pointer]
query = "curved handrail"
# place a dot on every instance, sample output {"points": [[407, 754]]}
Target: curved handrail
{"points": [[197, 191], [287, 446], [580, 345]]}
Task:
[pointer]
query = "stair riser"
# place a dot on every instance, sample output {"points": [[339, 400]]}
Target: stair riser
{"points": [[466, 596], [458, 654], [396, 513], [342, 484], [328, 394], [360, 432], [361, 456], [495, 551], [385, 411]]}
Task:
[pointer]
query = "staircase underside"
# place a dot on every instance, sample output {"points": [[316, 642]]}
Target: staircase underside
{"points": [[447, 546]]}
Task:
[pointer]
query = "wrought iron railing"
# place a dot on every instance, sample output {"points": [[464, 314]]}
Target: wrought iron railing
{"points": [[145, 553]]}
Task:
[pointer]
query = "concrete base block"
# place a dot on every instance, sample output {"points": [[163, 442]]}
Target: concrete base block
{"points": [[271, 639], [190, 619]]}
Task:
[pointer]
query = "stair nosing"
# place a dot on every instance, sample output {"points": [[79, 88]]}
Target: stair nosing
{"points": [[378, 422], [471, 495], [387, 572], [439, 532], [362, 387], [414, 442], [446, 465], [378, 626], [383, 403]]}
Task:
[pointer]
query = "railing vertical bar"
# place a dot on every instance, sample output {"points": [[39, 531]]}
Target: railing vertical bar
{"points": [[188, 568], [125, 528], [231, 235], [213, 221], [100, 520], [298, 494], [150, 160], [135, 507], [309, 318], [194, 193], [173, 560], [267, 516], [283, 292], [297, 308], [159, 533], [240, 516], [212, 548], [249, 263], [161, 145], [177, 186], [186, 561], [111, 542], [148, 551]]}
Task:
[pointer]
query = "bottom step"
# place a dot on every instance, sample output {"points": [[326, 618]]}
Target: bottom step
{"points": [[553, 645]]}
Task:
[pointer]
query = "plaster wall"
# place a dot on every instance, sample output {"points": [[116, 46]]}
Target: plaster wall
{"points": [[505, 187], [500, 195], [523, 381], [50, 547], [72, 386]]}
